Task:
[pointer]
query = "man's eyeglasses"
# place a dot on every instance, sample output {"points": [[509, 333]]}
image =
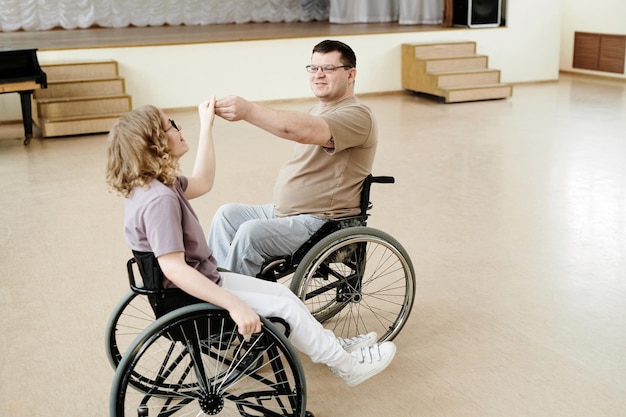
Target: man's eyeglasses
{"points": [[326, 69], [172, 125]]}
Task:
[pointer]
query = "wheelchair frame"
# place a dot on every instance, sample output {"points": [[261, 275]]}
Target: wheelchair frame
{"points": [[192, 360], [353, 278]]}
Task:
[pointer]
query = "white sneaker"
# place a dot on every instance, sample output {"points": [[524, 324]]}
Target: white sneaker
{"points": [[368, 361], [357, 342]]}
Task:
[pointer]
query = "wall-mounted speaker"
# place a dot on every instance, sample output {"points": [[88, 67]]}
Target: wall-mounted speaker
{"points": [[476, 13]]}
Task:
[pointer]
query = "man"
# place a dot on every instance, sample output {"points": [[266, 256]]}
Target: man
{"points": [[334, 152]]}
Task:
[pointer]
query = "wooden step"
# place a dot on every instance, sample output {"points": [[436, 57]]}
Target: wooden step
{"points": [[476, 93], [81, 70], [81, 106], [78, 125], [457, 64], [443, 50], [81, 88], [466, 78]]}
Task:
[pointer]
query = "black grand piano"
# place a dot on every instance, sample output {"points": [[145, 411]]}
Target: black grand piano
{"points": [[20, 73]]}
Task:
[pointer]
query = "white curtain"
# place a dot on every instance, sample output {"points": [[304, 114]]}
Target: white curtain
{"points": [[405, 12], [31, 15], [421, 12], [361, 11]]}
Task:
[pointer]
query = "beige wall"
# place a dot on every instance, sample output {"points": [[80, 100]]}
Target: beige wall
{"points": [[604, 16], [528, 49]]}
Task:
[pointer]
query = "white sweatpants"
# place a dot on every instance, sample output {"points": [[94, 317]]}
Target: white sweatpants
{"points": [[271, 299]]}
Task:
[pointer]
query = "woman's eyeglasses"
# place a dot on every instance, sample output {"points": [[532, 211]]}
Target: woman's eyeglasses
{"points": [[172, 125]]}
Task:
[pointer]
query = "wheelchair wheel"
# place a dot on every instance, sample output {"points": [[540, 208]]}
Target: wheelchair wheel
{"points": [[192, 362], [357, 280], [129, 318]]}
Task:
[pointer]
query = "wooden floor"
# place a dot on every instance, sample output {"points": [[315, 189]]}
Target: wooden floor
{"points": [[513, 212], [173, 35]]}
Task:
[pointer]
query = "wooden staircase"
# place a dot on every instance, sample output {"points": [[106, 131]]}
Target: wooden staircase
{"points": [[81, 98], [452, 71]]}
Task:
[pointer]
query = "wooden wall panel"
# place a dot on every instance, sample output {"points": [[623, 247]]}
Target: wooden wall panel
{"points": [[612, 53], [599, 52]]}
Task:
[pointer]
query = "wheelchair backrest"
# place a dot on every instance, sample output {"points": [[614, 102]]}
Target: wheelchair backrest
{"points": [[162, 300], [150, 271], [365, 190]]}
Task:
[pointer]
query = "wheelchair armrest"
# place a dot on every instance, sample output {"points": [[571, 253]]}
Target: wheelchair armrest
{"points": [[131, 278], [140, 288], [150, 271], [281, 324], [274, 268]]}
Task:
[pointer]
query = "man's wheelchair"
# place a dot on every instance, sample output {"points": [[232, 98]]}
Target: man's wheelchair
{"points": [[353, 278]]}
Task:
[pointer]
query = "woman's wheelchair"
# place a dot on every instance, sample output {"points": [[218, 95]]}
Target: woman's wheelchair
{"points": [[192, 361], [353, 278]]}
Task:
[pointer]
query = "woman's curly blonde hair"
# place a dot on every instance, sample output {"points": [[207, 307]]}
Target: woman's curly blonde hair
{"points": [[138, 152]]}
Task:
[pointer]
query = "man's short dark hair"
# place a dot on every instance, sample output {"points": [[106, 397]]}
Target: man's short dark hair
{"points": [[347, 54]]}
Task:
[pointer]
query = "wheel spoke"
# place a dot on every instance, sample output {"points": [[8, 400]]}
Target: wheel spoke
{"points": [[188, 364], [357, 280]]}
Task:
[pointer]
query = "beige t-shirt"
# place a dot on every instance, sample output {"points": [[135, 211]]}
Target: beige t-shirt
{"points": [[327, 182]]}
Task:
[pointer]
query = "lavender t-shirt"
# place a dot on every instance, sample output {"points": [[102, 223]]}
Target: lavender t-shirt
{"points": [[160, 220]]}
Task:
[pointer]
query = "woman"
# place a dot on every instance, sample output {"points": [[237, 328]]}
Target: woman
{"points": [[143, 166]]}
